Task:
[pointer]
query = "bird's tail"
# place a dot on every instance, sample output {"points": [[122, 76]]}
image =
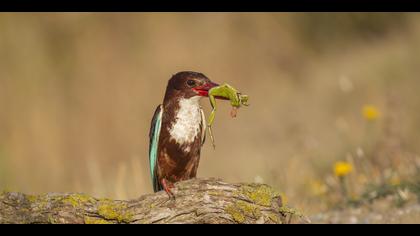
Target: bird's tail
{"points": [[157, 186]]}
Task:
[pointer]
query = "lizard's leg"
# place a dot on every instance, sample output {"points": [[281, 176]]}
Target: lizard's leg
{"points": [[211, 119]]}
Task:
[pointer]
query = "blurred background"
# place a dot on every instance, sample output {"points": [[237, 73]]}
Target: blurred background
{"points": [[334, 117]]}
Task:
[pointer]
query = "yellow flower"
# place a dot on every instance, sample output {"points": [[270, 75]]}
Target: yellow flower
{"points": [[370, 112], [342, 168]]}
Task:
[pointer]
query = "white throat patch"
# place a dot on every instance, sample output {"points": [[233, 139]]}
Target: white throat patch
{"points": [[187, 121]]}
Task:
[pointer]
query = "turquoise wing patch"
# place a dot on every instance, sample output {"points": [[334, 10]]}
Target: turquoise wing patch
{"points": [[153, 146]]}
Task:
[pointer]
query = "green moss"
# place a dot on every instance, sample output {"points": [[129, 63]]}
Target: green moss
{"points": [[51, 220], [273, 217], [77, 199], [215, 193], [31, 198], [95, 221], [249, 209], [291, 211], [40, 201], [260, 194], [235, 213], [114, 211], [241, 209]]}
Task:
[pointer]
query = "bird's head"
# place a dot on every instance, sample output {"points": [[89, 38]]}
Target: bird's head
{"points": [[189, 84]]}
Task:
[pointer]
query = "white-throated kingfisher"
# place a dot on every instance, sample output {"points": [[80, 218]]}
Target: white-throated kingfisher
{"points": [[178, 130]]}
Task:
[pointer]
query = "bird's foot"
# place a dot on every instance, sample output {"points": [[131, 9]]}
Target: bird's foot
{"points": [[168, 186]]}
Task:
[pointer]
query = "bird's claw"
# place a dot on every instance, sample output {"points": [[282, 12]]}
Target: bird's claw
{"points": [[168, 186]]}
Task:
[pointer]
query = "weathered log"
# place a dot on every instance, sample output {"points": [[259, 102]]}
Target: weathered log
{"points": [[197, 201]]}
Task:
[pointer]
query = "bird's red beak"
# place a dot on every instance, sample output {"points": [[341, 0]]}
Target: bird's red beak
{"points": [[203, 90]]}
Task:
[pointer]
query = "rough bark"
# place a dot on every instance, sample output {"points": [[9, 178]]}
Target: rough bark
{"points": [[197, 201]]}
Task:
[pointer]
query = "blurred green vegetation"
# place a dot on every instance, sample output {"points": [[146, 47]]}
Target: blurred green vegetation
{"points": [[345, 28]]}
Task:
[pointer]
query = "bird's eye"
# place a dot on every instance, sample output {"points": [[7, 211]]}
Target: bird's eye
{"points": [[191, 83]]}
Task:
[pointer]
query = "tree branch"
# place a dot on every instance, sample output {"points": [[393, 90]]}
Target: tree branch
{"points": [[197, 201]]}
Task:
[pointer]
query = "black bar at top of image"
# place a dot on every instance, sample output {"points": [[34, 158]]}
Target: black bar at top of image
{"points": [[210, 6]]}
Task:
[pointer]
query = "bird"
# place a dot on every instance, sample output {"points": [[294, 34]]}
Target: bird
{"points": [[178, 131]]}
